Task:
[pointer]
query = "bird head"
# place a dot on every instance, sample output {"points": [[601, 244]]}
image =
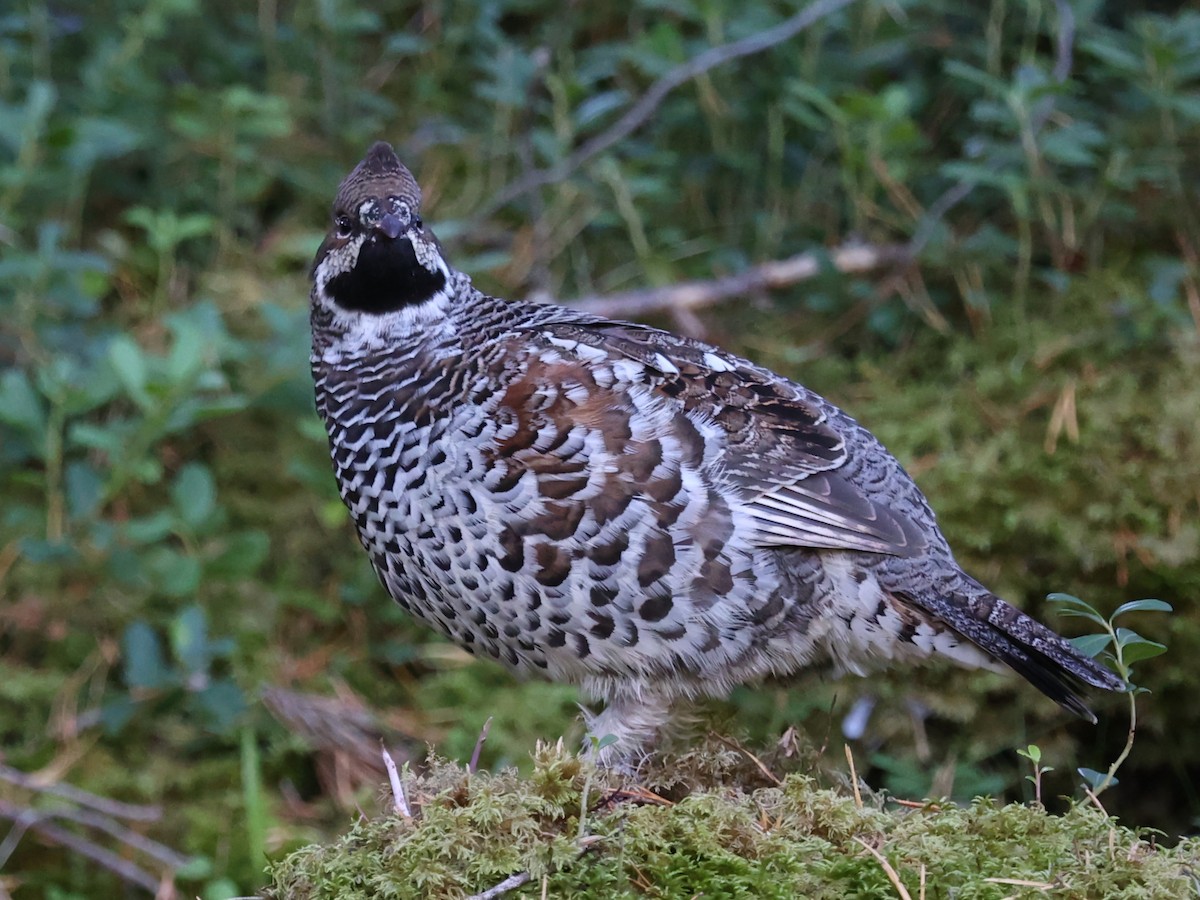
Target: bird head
{"points": [[378, 258]]}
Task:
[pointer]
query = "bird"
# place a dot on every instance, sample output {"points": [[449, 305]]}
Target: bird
{"points": [[601, 503]]}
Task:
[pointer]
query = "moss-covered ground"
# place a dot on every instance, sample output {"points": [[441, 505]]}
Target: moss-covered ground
{"points": [[723, 829]]}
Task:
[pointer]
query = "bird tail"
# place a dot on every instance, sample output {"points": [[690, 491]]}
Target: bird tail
{"points": [[1046, 660]]}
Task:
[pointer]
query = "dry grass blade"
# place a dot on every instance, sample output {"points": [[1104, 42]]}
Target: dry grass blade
{"points": [[891, 873], [853, 776], [1021, 882]]}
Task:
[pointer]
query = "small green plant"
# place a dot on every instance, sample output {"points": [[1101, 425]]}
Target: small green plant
{"points": [[598, 744], [1033, 753], [1122, 647], [185, 680]]}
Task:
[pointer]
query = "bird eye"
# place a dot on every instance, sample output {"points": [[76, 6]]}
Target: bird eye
{"points": [[417, 223], [344, 226]]}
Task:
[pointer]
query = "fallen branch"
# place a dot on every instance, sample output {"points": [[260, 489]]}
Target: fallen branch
{"points": [[161, 853], [122, 868], [641, 112], [773, 275], [83, 798]]}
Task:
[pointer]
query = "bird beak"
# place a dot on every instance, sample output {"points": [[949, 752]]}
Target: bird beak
{"points": [[390, 225]]}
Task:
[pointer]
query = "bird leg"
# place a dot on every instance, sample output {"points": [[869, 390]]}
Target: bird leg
{"points": [[634, 721]]}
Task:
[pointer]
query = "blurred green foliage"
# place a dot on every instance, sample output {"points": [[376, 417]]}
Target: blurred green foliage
{"points": [[170, 540]]}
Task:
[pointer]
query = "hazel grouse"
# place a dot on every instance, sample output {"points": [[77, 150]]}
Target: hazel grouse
{"points": [[602, 503]]}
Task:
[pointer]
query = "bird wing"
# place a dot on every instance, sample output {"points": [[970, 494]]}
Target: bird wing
{"points": [[785, 448]]}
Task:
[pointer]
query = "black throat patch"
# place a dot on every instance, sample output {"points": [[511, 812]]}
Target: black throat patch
{"points": [[387, 277]]}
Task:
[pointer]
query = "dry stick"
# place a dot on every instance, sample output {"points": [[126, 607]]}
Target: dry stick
{"points": [[22, 818], [774, 274], [398, 798], [483, 735], [511, 883], [638, 114], [83, 798], [893, 877], [120, 867], [170, 858]]}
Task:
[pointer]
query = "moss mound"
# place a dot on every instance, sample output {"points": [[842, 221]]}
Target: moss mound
{"points": [[578, 832]]}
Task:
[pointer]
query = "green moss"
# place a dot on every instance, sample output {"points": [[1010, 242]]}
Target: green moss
{"points": [[796, 839]]}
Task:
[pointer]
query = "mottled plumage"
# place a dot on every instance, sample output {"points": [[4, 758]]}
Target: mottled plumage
{"points": [[607, 504]]}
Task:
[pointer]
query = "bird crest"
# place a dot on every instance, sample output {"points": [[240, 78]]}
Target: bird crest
{"points": [[380, 174]]}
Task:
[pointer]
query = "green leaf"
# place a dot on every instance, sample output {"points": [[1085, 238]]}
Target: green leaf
{"points": [[1141, 648], [129, 364], [1091, 644], [599, 743], [187, 352], [20, 405], [1142, 606], [1065, 602], [85, 489], [189, 640], [1095, 779], [221, 703], [244, 553], [145, 667], [194, 494], [116, 713]]}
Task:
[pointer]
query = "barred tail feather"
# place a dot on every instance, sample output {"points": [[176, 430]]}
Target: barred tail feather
{"points": [[1043, 658]]}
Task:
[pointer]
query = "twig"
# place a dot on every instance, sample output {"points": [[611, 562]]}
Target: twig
{"points": [[638, 114], [853, 777], [83, 798], [22, 820], [888, 870], [511, 883], [473, 765], [1095, 799], [122, 868], [923, 805], [636, 794], [170, 858], [730, 742], [398, 798], [764, 276]]}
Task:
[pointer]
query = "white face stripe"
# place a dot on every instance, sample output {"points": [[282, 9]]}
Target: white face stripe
{"points": [[370, 211]]}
